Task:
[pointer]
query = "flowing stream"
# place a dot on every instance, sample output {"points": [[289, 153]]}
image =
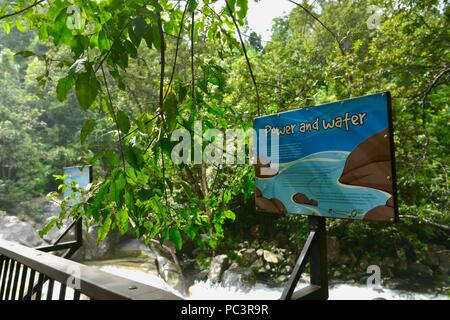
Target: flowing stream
{"points": [[204, 290]]}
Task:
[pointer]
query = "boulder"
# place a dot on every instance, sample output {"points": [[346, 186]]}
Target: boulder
{"points": [[92, 250], [271, 257], [239, 279], [168, 271], [444, 261], [421, 269], [248, 256], [201, 276], [12, 229], [438, 258], [388, 263], [218, 265], [132, 248], [258, 265]]}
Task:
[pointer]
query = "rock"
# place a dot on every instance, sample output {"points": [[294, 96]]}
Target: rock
{"points": [[282, 279], [260, 252], [421, 269], [132, 248], [271, 257], [248, 256], [201, 276], [432, 259], [401, 267], [168, 271], [333, 250], [94, 251], [257, 265], [282, 239], [239, 279], [12, 229], [444, 261], [438, 258], [388, 263], [51, 209], [287, 269], [218, 265], [347, 259]]}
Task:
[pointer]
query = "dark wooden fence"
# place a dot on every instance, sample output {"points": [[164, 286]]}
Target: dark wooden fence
{"points": [[30, 274]]}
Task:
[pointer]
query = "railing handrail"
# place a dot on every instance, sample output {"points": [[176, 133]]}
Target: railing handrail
{"points": [[94, 283]]}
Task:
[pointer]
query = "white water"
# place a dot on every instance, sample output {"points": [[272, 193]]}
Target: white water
{"points": [[207, 291]]}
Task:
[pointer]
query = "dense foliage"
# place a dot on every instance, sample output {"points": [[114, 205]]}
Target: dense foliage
{"points": [[141, 69]]}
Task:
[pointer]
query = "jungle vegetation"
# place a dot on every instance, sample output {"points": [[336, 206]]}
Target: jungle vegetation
{"points": [[106, 83]]}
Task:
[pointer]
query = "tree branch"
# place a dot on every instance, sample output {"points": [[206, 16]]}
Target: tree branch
{"points": [[246, 56], [422, 220], [425, 94], [114, 117], [168, 249], [322, 24], [192, 59], [21, 10], [163, 66], [177, 48]]}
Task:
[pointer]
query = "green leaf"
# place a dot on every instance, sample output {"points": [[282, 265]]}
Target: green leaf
{"points": [[243, 8], [25, 54], [193, 4], [61, 34], [130, 157], [117, 187], [104, 229], [111, 158], [192, 231], [229, 215], [153, 33], [104, 43], [86, 130], [86, 88], [171, 111], [123, 122], [137, 30], [96, 201], [175, 238], [148, 38], [130, 48], [122, 221], [47, 228], [63, 87]]}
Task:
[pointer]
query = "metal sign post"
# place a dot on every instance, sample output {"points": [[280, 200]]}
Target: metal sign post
{"points": [[315, 249]]}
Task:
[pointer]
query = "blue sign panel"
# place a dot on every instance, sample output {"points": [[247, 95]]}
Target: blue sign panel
{"points": [[334, 160], [82, 176]]}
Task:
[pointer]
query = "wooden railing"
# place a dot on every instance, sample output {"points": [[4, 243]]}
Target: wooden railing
{"points": [[30, 274]]}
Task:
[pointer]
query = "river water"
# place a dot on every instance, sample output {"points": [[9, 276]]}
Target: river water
{"points": [[206, 291]]}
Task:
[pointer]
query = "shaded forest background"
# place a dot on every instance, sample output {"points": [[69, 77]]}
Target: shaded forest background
{"points": [[317, 54]]}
